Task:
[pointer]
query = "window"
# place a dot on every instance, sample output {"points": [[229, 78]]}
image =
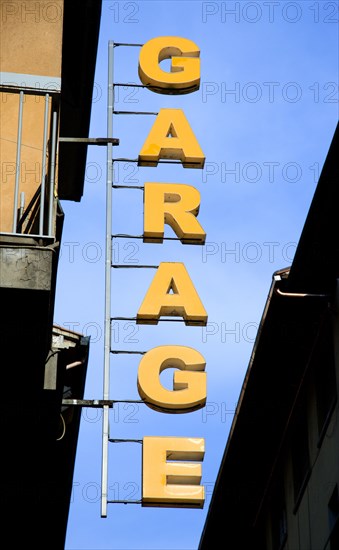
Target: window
{"points": [[325, 380], [278, 520]]}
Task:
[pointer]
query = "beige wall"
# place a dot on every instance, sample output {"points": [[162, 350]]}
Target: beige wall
{"points": [[30, 43], [30, 36]]}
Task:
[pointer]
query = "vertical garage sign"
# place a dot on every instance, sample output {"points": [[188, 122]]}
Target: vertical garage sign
{"points": [[171, 466]]}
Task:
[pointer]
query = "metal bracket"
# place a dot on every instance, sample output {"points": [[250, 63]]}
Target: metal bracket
{"points": [[90, 141], [95, 403], [124, 502], [135, 113], [98, 403]]}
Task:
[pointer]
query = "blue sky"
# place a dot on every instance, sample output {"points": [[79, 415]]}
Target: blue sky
{"points": [[264, 116]]}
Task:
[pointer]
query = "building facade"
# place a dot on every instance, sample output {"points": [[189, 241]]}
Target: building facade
{"points": [[47, 63]]}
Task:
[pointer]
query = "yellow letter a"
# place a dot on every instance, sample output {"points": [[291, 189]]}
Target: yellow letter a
{"points": [[171, 137], [172, 294]]}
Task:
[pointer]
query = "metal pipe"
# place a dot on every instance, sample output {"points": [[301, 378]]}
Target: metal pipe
{"points": [[128, 187], [17, 164], [130, 85], [125, 266], [125, 44], [89, 141], [43, 168], [301, 294], [22, 204], [108, 263], [135, 113], [125, 440], [52, 174], [118, 351], [125, 501]]}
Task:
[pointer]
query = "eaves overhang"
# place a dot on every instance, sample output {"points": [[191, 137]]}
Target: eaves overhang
{"points": [[79, 51]]}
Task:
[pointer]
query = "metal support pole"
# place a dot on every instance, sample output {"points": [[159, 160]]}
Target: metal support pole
{"points": [[52, 174], [43, 168], [108, 260], [22, 205], [17, 164]]}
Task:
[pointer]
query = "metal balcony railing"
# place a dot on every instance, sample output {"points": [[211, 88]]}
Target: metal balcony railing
{"points": [[37, 218]]}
